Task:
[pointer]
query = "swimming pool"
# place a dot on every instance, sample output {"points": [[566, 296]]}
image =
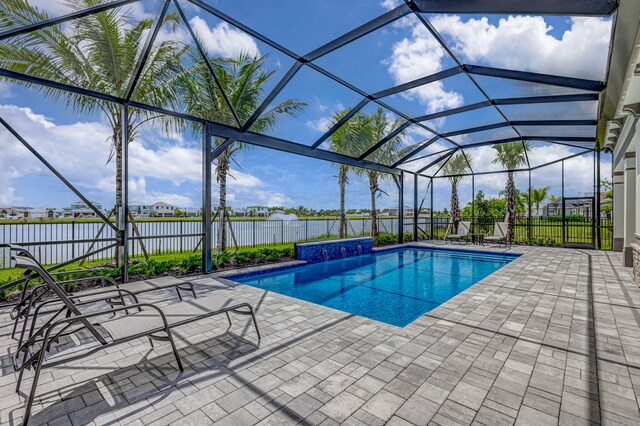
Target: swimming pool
{"points": [[393, 286]]}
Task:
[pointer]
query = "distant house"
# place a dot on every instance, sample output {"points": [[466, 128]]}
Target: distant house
{"points": [[191, 211], [46, 213], [140, 210], [257, 211], [580, 207], [408, 211], [162, 210], [80, 209], [15, 212], [238, 212]]}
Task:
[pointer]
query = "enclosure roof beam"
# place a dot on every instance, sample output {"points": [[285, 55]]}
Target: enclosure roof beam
{"points": [[554, 139], [563, 159], [384, 140], [510, 101], [348, 116], [321, 154], [272, 95], [62, 19], [359, 32], [426, 156], [417, 82], [60, 86], [522, 123], [415, 151], [552, 80], [146, 49], [576, 97], [526, 7], [437, 160], [205, 58]]}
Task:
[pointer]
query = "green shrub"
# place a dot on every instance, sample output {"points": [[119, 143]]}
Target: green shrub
{"points": [[190, 264], [384, 240]]}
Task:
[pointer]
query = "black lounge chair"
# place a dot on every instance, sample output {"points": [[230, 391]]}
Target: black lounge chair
{"points": [[131, 321], [30, 305]]}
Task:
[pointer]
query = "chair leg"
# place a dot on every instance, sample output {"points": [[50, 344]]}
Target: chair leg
{"points": [[193, 290], [15, 326], [21, 373], [175, 349], [228, 318], [32, 393], [179, 295], [255, 323]]}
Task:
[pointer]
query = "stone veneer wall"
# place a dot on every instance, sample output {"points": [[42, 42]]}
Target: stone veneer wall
{"points": [[636, 261], [314, 252]]}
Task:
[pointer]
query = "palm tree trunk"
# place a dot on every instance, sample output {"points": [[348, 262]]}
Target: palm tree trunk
{"points": [[455, 207], [373, 187], [117, 146], [222, 170], [511, 207], [342, 182]]}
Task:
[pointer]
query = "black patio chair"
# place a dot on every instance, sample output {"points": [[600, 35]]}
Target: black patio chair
{"points": [[147, 320]]}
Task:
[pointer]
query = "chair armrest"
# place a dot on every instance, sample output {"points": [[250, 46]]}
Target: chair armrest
{"points": [[110, 311]]}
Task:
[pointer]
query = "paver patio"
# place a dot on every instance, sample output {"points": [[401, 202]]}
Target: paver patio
{"points": [[553, 337]]}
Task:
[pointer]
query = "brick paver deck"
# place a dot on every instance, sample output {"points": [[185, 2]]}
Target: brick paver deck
{"points": [[551, 338]]}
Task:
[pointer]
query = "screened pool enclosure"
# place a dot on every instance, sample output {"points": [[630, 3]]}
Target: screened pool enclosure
{"points": [[556, 118]]}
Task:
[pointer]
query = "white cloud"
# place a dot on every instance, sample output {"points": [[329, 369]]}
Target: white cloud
{"points": [[224, 40], [517, 42], [390, 4], [418, 56], [526, 43], [319, 125], [322, 124], [79, 152]]}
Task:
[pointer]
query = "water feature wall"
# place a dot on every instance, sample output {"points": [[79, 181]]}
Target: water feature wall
{"points": [[322, 251]]}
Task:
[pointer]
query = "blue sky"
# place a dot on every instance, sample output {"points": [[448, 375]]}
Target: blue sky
{"points": [[168, 168]]}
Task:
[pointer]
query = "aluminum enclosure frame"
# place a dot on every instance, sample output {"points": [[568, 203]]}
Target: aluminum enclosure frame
{"points": [[242, 134]]}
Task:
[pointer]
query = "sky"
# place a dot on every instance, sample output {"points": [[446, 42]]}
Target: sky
{"points": [[168, 167]]}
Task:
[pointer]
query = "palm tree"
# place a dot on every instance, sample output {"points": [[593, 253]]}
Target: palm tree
{"points": [[455, 168], [539, 195], [99, 52], [511, 156], [379, 128], [243, 80], [350, 139]]}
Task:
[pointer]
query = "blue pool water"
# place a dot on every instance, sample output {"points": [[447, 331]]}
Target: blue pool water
{"points": [[394, 286]]}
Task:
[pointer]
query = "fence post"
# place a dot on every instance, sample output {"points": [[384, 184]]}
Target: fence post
{"points": [[73, 239], [253, 232], [282, 231], [306, 229], [181, 234]]}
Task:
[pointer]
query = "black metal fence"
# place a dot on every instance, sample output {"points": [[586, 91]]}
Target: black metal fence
{"points": [[54, 243], [549, 231], [58, 242]]}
